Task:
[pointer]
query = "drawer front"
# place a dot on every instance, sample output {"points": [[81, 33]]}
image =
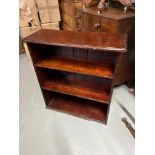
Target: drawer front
{"points": [[96, 23], [108, 25], [92, 23]]}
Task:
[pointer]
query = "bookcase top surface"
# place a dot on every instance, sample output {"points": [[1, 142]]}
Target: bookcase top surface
{"points": [[87, 40]]}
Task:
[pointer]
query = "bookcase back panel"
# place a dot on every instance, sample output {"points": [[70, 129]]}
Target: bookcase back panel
{"points": [[41, 52]]}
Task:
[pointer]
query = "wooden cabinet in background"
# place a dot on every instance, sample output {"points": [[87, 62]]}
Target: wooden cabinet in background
{"points": [[112, 20], [76, 70], [67, 9]]}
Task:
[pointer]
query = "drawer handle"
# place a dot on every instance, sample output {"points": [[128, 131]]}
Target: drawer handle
{"points": [[78, 16], [96, 25]]}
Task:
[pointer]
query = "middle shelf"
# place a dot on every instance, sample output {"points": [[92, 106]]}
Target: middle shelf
{"points": [[94, 68], [87, 88]]}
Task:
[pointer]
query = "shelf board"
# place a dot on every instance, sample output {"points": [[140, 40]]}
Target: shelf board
{"points": [[79, 87], [98, 69], [79, 107]]}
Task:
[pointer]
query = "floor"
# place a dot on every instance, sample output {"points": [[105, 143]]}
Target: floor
{"points": [[46, 132]]}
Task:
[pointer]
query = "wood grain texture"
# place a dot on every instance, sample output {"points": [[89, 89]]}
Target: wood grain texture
{"points": [[79, 87], [97, 23], [99, 69], [86, 40], [81, 108]]}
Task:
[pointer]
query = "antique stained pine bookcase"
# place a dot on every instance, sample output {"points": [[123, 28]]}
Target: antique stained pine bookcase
{"points": [[75, 70]]}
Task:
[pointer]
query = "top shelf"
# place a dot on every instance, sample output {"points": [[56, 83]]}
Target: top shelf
{"points": [[85, 40], [99, 69]]}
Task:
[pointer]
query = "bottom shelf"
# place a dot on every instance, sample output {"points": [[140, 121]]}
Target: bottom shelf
{"points": [[79, 107]]}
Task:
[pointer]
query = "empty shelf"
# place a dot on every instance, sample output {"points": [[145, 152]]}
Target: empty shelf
{"points": [[98, 69], [77, 107], [79, 87]]}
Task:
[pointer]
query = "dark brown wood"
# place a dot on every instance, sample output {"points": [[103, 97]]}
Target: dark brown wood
{"points": [[96, 23], [79, 87], [99, 69], [112, 20], [81, 108], [128, 125], [102, 41], [76, 75]]}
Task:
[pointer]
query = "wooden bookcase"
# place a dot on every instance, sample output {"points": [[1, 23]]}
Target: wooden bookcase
{"points": [[75, 70]]}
